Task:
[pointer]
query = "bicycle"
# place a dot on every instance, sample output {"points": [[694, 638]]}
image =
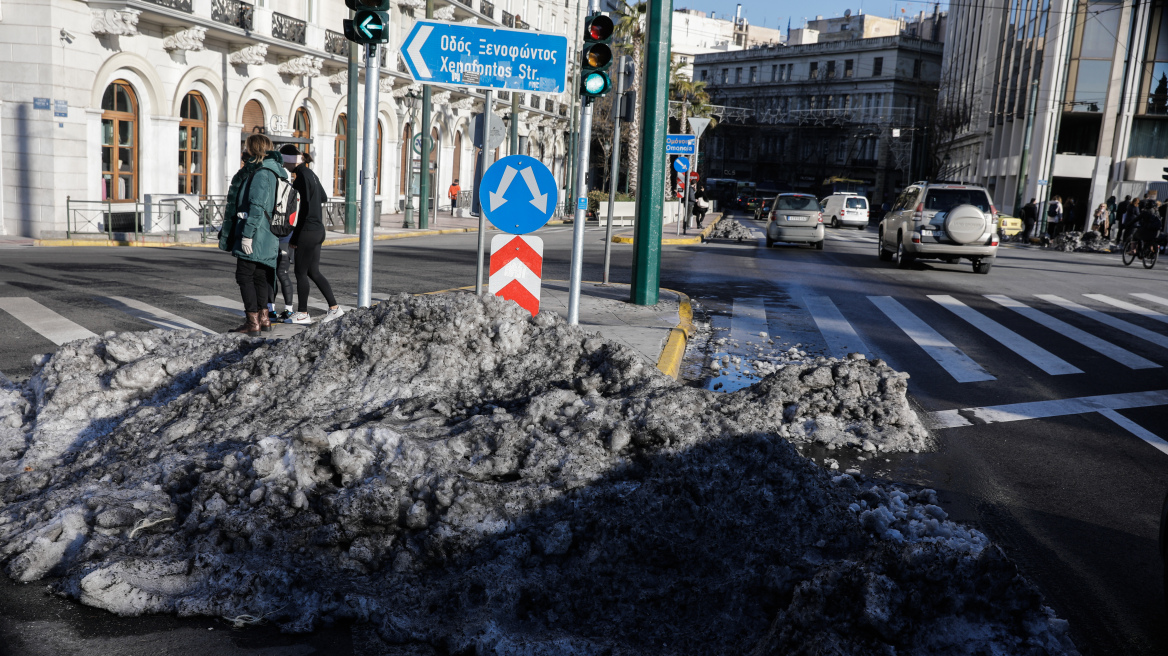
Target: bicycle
{"points": [[1145, 249]]}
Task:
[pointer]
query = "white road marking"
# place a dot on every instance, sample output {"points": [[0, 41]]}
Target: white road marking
{"points": [[749, 320], [1118, 324], [223, 303], [1137, 430], [154, 316], [1153, 298], [1035, 354], [1054, 408], [1130, 307], [1083, 337], [952, 359], [841, 337], [48, 324]]}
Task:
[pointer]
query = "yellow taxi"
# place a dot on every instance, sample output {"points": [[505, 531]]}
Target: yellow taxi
{"points": [[1009, 225]]}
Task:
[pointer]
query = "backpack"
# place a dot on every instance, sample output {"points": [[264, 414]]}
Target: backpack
{"points": [[1052, 210], [283, 219]]}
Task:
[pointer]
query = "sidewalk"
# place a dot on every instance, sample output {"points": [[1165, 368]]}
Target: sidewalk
{"points": [[670, 236]]}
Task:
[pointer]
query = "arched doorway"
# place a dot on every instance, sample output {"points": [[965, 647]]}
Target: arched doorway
{"points": [[406, 144], [340, 151], [119, 143], [302, 126], [192, 145]]}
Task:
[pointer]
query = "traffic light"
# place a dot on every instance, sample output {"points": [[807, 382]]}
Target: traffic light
{"points": [[626, 75], [370, 23], [596, 57]]}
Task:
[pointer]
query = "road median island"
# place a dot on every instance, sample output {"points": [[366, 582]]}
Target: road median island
{"points": [[681, 240], [465, 477]]}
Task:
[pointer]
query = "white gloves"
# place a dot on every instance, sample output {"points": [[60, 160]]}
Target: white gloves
{"points": [[245, 245]]}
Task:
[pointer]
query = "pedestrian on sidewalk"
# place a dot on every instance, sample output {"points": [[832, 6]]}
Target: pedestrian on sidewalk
{"points": [[1054, 216], [1070, 213], [700, 206], [284, 282], [1101, 218], [308, 236], [453, 194], [1029, 219], [246, 231]]}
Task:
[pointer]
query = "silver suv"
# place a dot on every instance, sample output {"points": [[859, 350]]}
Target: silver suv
{"points": [[940, 221]]}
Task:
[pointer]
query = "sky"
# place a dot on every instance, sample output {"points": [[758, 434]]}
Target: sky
{"points": [[774, 13]]}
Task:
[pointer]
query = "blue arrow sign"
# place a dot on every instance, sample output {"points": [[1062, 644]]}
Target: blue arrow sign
{"points": [[518, 194], [486, 57], [680, 144], [681, 164]]}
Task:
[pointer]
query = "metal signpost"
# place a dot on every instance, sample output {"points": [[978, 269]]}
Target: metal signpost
{"points": [[519, 195], [368, 176], [681, 165]]}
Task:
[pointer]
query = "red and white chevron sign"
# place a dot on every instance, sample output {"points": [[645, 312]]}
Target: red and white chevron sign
{"points": [[516, 267]]}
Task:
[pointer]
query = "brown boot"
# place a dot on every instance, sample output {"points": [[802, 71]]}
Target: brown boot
{"points": [[251, 326], [265, 322]]}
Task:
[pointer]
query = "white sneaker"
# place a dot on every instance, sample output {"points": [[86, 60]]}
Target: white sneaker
{"points": [[300, 318], [332, 314]]}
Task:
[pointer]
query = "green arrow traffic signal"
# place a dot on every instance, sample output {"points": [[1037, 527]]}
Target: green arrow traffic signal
{"points": [[596, 56], [367, 26], [371, 5]]}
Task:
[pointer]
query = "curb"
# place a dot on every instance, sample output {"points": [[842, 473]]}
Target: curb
{"points": [[676, 241], [669, 362], [337, 241]]}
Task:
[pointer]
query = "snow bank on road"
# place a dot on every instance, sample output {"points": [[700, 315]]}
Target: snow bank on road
{"points": [[729, 228], [1084, 242], [470, 478]]}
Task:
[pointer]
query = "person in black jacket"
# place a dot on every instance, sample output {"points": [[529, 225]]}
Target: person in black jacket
{"points": [[308, 235], [1029, 219]]}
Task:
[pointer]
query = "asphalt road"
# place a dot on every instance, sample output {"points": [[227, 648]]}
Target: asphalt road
{"points": [[1072, 494]]}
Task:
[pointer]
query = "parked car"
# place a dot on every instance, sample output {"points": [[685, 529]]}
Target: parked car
{"points": [[1009, 225], [846, 210], [940, 221], [795, 218]]}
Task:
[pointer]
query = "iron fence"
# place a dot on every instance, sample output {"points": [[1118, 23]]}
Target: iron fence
{"points": [[508, 19], [233, 12], [336, 43], [334, 214], [91, 217], [487, 9], [288, 28], [180, 5]]}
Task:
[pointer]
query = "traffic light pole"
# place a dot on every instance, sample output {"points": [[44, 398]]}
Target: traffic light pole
{"points": [[368, 174], [583, 143], [646, 279], [350, 152], [488, 100], [615, 167], [514, 147], [424, 182]]}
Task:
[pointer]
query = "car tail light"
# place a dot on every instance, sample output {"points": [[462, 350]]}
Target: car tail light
{"points": [[920, 212], [774, 216], [821, 217]]}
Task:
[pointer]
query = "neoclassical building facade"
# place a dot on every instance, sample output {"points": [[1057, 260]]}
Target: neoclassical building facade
{"points": [[136, 101]]}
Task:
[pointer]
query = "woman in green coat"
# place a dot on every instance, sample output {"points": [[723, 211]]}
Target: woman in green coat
{"points": [[246, 234]]}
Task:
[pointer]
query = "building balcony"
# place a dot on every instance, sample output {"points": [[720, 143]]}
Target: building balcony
{"points": [[235, 13], [177, 5], [520, 25], [287, 28], [508, 20], [335, 43], [487, 9]]}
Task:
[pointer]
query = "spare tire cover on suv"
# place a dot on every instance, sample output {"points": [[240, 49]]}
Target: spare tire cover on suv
{"points": [[965, 224]]}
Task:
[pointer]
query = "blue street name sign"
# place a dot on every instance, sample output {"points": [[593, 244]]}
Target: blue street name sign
{"points": [[518, 194], [40, 103], [486, 57], [681, 144], [681, 164]]}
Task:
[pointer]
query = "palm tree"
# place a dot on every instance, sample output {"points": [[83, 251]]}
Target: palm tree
{"points": [[629, 37]]}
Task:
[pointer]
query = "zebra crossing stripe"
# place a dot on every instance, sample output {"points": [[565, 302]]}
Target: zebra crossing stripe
{"points": [[1137, 430], [1122, 356], [1107, 319], [1035, 354], [154, 316], [749, 320], [952, 359], [840, 336], [1130, 307], [1043, 409], [221, 302], [1153, 298], [48, 324]]}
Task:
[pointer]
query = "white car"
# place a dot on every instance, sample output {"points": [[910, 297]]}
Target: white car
{"points": [[945, 222], [846, 210]]}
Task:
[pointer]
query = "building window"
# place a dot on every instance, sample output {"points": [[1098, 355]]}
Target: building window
{"points": [[753, 74], [340, 150], [774, 73], [254, 120], [192, 145], [916, 69], [406, 144], [790, 71], [119, 143], [877, 66], [703, 75], [813, 71], [725, 75], [830, 69], [738, 75], [302, 126], [848, 67]]}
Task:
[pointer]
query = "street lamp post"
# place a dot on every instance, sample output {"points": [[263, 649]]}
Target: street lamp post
{"points": [[411, 101]]}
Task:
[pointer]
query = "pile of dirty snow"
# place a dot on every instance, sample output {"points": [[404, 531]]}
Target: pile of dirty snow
{"points": [[1084, 242], [729, 228], [469, 479]]}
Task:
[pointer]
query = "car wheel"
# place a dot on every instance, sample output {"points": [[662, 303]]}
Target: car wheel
{"points": [[983, 265], [819, 245], [769, 242], [903, 259], [835, 221], [885, 256]]}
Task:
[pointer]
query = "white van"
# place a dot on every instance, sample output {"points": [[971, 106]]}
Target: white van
{"points": [[842, 210]]}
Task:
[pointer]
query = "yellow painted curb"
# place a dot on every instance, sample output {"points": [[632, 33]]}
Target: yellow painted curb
{"points": [[107, 243], [676, 241]]}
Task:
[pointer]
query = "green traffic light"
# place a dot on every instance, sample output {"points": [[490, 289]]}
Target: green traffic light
{"points": [[597, 84], [367, 27], [596, 56]]}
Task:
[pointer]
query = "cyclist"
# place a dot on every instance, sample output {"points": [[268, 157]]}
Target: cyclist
{"points": [[1148, 225]]}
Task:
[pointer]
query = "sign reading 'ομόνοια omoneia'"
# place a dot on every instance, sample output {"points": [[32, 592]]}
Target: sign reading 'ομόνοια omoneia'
{"points": [[486, 57], [680, 144]]}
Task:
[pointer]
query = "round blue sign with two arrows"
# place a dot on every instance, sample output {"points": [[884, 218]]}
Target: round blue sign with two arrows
{"points": [[518, 194]]}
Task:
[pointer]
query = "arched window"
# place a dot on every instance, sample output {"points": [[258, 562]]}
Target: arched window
{"points": [[378, 186], [253, 118], [406, 144], [119, 143], [302, 126], [457, 168], [339, 154], [192, 146]]}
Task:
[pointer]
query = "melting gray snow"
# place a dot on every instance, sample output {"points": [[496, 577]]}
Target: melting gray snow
{"points": [[728, 228], [469, 479], [1087, 242]]}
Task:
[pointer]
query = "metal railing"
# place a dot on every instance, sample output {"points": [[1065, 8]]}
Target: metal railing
{"points": [[180, 5], [94, 217], [508, 20], [233, 12], [549, 105], [211, 210], [336, 43], [520, 25], [487, 9], [466, 2], [288, 29], [334, 214]]}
